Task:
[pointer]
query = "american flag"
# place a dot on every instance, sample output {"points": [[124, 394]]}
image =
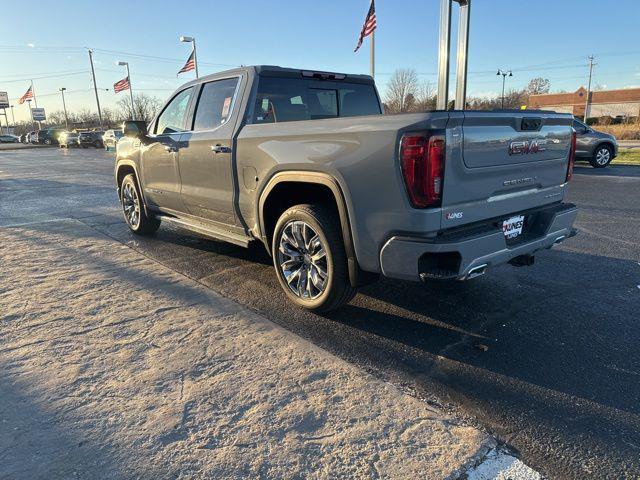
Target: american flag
{"points": [[190, 65], [121, 85], [369, 25], [28, 94]]}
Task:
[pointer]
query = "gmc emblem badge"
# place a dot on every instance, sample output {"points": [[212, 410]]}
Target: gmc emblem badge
{"points": [[527, 147]]}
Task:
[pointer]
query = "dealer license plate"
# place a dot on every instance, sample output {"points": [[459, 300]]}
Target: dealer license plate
{"points": [[512, 227]]}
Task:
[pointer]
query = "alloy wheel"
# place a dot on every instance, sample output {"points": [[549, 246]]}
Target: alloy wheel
{"points": [[302, 258], [603, 156], [131, 205]]}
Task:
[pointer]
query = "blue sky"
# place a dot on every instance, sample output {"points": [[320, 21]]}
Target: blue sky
{"points": [[540, 38]]}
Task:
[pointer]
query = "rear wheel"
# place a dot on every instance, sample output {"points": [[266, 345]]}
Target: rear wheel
{"points": [[133, 210], [602, 156], [310, 259]]}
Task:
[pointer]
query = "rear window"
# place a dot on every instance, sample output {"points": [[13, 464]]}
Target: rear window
{"points": [[291, 99]]}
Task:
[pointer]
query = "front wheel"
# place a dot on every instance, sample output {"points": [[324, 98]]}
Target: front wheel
{"points": [[133, 210], [47, 142], [602, 157], [310, 259]]}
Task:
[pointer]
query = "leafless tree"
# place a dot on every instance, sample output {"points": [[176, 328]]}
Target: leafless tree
{"points": [[426, 98], [538, 86], [146, 107], [402, 90]]}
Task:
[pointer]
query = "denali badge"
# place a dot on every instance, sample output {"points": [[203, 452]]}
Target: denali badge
{"points": [[527, 146], [518, 181]]}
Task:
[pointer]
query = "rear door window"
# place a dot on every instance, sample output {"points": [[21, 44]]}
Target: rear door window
{"points": [[215, 104], [290, 99]]}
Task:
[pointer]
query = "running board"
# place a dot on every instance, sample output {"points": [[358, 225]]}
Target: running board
{"points": [[207, 231]]}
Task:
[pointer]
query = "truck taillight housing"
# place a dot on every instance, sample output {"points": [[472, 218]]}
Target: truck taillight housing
{"points": [[422, 162], [572, 156]]}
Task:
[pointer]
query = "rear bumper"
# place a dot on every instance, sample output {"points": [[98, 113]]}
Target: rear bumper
{"points": [[461, 253]]}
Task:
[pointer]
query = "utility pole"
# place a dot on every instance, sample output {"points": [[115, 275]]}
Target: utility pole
{"points": [[586, 106], [505, 74], [64, 106], [13, 117], [95, 87]]}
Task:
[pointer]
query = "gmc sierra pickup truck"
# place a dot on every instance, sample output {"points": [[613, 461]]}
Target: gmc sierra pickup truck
{"points": [[308, 164]]}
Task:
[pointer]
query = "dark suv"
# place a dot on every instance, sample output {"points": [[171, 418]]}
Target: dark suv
{"points": [[90, 139], [598, 148], [49, 136]]}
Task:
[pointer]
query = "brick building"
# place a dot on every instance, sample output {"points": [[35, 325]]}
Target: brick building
{"points": [[613, 103]]}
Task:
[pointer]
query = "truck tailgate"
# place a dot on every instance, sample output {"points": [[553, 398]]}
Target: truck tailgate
{"points": [[500, 163]]}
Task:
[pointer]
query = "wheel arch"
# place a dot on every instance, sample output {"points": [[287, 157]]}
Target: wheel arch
{"points": [[607, 143], [283, 183], [124, 168]]}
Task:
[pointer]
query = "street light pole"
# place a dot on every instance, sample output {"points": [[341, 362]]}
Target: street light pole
{"points": [[133, 108], [64, 106], [505, 74], [192, 40]]}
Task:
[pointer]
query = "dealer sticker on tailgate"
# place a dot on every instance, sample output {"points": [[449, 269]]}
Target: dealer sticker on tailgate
{"points": [[512, 227]]}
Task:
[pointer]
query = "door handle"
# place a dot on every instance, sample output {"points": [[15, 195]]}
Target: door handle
{"points": [[220, 149], [170, 148]]}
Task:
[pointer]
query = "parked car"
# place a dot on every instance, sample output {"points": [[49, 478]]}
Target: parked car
{"points": [[23, 138], [338, 193], [8, 138], [110, 138], [598, 148], [31, 137], [48, 136], [90, 139], [68, 140]]}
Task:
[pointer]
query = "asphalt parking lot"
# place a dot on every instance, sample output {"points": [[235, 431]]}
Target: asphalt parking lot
{"points": [[546, 357]]}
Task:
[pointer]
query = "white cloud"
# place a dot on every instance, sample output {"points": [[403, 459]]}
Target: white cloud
{"points": [[31, 45]]}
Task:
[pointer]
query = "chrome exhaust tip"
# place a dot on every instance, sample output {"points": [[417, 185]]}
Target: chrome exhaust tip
{"points": [[477, 271], [561, 238]]}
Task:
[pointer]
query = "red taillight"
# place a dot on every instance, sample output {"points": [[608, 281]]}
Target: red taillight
{"points": [[422, 161], [572, 156]]}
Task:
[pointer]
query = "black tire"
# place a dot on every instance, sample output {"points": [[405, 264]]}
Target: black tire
{"points": [[602, 156], [336, 288], [47, 142], [139, 223]]}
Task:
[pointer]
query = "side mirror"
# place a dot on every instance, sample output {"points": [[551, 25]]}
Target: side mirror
{"points": [[134, 128]]}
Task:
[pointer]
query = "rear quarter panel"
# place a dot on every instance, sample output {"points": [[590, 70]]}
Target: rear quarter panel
{"points": [[360, 153]]}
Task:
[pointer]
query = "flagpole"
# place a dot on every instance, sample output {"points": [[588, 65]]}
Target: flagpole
{"points": [[195, 56], [372, 59], [33, 92], [35, 100], [133, 108]]}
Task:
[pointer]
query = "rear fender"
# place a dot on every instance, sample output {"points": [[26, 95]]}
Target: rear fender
{"points": [[355, 276]]}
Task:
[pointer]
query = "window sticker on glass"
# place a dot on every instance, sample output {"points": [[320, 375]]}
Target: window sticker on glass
{"points": [[225, 107]]}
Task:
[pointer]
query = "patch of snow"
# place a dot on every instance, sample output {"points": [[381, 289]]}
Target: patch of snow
{"points": [[499, 465]]}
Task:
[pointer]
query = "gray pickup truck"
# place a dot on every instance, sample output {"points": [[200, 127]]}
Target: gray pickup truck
{"points": [[307, 164]]}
